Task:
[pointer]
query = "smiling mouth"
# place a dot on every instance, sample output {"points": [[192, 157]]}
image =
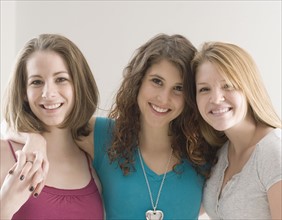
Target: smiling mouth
{"points": [[220, 111], [52, 107], [159, 109]]}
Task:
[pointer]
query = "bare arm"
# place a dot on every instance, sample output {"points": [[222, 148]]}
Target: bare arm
{"points": [[36, 143], [202, 214], [274, 199], [35, 150], [8, 133], [87, 143], [17, 180], [202, 210]]}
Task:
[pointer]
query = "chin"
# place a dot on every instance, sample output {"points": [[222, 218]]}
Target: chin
{"points": [[221, 128], [53, 123]]}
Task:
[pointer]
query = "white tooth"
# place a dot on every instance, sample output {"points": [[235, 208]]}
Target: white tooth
{"points": [[158, 109], [52, 106], [220, 111]]}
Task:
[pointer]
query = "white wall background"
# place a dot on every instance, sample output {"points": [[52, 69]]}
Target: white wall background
{"points": [[108, 32]]}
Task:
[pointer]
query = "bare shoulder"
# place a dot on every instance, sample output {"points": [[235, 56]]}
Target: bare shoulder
{"points": [[7, 157], [4, 147]]}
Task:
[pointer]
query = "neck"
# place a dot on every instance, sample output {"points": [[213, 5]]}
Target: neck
{"points": [[155, 147], [154, 140], [60, 141], [246, 135]]}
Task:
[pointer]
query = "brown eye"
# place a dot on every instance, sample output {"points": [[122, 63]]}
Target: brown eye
{"points": [[228, 87], [178, 88], [61, 79], [204, 89], [157, 81], [36, 82]]}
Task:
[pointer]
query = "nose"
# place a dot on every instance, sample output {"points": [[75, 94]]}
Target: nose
{"points": [[49, 91], [217, 96], [164, 96]]}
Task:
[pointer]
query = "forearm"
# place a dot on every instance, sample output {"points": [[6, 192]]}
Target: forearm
{"points": [[274, 198], [35, 142], [36, 151], [19, 184], [5, 213], [86, 143]]}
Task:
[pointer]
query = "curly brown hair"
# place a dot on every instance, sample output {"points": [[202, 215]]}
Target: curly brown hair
{"points": [[186, 142]]}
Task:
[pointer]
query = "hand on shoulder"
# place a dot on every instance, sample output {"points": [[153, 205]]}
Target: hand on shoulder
{"points": [[18, 185]]}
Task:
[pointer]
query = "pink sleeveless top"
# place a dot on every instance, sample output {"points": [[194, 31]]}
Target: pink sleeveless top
{"points": [[53, 203]]}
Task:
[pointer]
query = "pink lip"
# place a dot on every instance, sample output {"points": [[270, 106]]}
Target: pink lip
{"points": [[159, 110], [220, 111], [51, 106], [54, 109]]}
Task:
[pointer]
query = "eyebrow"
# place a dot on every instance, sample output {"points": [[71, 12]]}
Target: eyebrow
{"points": [[156, 75], [160, 77], [55, 74], [203, 83]]}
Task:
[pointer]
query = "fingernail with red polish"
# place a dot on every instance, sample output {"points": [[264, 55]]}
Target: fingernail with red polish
{"points": [[22, 177], [35, 195]]}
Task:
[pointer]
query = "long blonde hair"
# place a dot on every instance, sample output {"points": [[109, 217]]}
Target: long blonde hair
{"points": [[239, 69]]}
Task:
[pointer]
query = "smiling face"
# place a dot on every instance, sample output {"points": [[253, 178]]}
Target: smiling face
{"points": [[220, 105], [160, 98], [50, 92]]}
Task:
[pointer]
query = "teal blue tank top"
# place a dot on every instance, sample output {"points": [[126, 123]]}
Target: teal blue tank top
{"points": [[127, 197]]}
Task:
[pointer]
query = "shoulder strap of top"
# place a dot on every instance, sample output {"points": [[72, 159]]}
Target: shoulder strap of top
{"points": [[12, 149]]}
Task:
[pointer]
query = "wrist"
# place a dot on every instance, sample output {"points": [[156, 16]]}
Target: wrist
{"points": [[5, 213], [35, 137], [35, 141]]}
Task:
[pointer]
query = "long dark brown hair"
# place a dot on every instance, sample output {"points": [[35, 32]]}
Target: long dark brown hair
{"points": [[184, 130]]}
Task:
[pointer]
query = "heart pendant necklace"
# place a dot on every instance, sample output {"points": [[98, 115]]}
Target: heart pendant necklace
{"points": [[154, 214]]}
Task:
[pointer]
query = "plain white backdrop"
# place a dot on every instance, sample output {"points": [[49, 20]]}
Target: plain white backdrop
{"points": [[108, 32]]}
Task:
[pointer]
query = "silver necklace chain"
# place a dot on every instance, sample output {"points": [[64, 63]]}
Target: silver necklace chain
{"points": [[148, 184]]}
